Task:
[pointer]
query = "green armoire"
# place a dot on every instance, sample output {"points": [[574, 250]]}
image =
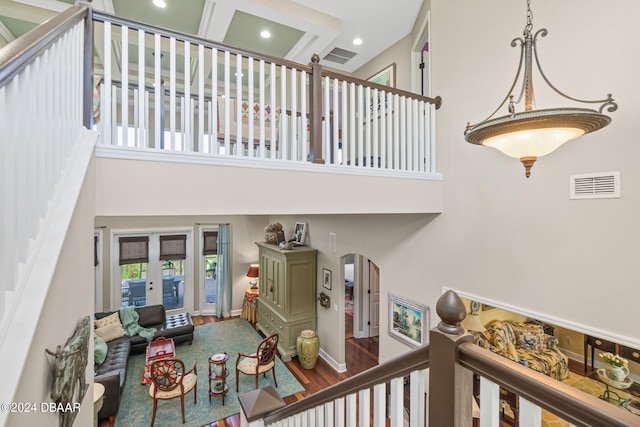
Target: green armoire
{"points": [[287, 298]]}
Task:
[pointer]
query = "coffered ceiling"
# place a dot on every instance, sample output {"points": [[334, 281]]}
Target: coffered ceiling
{"points": [[299, 28]]}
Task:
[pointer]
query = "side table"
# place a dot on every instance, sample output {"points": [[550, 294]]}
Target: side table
{"points": [[218, 374], [610, 395], [249, 305]]}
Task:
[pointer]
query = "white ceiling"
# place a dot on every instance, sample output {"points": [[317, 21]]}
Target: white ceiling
{"points": [[325, 24]]}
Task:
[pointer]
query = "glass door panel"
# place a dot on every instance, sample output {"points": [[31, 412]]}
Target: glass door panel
{"points": [[173, 284], [210, 284], [133, 284]]}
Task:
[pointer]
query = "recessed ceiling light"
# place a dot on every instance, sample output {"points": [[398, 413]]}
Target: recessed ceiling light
{"points": [[265, 34], [357, 41], [160, 3]]}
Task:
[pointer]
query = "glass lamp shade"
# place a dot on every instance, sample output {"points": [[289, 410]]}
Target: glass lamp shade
{"points": [[533, 142], [472, 323], [535, 133]]}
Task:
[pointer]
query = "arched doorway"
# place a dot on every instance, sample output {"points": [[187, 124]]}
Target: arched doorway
{"points": [[362, 312]]}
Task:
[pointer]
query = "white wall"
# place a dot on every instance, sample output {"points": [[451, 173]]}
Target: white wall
{"points": [[522, 241], [69, 299]]}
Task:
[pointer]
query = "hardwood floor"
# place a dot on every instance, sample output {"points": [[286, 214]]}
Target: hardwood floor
{"points": [[360, 355]]}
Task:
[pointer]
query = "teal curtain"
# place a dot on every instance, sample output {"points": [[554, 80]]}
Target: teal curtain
{"points": [[223, 273]]}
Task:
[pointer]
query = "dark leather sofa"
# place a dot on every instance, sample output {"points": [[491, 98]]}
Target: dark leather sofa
{"points": [[112, 373]]}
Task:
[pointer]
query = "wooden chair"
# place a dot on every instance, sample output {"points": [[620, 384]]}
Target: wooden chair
{"points": [[260, 362], [169, 380]]}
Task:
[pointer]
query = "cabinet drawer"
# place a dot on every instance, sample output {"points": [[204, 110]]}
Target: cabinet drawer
{"points": [[630, 353], [601, 344]]}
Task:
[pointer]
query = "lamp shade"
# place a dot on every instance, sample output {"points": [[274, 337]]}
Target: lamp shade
{"points": [[472, 323], [253, 271]]}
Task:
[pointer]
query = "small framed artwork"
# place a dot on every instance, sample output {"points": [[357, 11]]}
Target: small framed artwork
{"points": [[326, 278], [299, 232], [408, 321], [385, 77]]}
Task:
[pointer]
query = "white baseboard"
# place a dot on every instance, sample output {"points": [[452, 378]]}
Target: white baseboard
{"points": [[339, 367]]}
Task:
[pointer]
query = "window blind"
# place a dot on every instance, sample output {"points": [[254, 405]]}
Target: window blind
{"points": [[173, 247], [210, 243], [134, 249]]}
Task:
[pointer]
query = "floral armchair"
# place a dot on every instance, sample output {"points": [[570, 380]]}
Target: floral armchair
{"points": [[527, 344]]}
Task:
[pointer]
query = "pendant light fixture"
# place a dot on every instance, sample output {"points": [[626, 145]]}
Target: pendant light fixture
{"points": [[533, 132]]}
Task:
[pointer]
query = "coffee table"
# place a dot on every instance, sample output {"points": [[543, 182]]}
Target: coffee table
{"points": [[161, 348]]}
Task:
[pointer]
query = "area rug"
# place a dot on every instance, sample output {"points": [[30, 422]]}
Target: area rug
{"points": [[348, 306], [231, 336]]}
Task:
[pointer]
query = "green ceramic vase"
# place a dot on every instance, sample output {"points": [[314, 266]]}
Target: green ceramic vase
{"points": [[308, 346]]}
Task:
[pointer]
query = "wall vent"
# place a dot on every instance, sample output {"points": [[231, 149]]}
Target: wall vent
{"points": [[605, 185], [339, 55]]}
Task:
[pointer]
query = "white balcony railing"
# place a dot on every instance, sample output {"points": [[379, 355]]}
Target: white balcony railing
{"points": [[163, 91]]}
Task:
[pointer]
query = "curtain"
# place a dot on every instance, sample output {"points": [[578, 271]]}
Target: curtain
{"points": [[223, 273]]}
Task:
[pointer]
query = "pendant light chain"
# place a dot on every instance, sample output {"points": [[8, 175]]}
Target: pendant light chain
{"points": [[529, 26]]}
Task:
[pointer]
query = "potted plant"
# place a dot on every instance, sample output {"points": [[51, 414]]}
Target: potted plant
{"points": [[617, 367]]}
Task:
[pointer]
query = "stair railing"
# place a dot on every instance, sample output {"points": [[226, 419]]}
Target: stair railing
{"points": [[161, 90]]}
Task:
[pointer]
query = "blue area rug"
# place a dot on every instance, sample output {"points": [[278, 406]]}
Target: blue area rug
{"points": [[230, 336]]}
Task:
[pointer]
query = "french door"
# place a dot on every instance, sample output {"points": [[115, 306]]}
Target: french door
{"points": [[152, 268]]}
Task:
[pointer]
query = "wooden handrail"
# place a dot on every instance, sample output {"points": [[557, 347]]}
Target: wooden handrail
{"points": [[437, 101], [567, 402], [15, 56], [394, 368]]}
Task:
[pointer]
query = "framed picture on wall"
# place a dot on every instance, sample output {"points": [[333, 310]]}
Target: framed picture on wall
{"points": [[385, 77], [326, 278], [408, 321]]}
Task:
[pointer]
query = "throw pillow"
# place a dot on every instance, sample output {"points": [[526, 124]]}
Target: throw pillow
{"points": [[530, 340], [110, 332], [113, 318], [99, 350]]}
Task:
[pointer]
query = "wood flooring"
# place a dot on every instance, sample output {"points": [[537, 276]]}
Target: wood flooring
{"points": [[360, 354]]}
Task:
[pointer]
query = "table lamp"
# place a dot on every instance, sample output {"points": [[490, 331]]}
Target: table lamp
{"points": [[473, 323], [253, 274]]}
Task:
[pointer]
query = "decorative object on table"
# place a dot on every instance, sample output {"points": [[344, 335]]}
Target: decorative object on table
{"points": [[326, 278], [408, 321], [308, 346], [260, 362], [253, 273], [273, 233], [617, 367], [170, 380], [299, 232], [69, 370], [472, 322], [218, 374], [533, 132]]}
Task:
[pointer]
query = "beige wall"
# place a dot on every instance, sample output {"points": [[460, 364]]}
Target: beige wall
{"points": [[522, 241]]}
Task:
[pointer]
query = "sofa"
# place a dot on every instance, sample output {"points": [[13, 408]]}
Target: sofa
{"points": [[525, 343], [112, 372]]}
